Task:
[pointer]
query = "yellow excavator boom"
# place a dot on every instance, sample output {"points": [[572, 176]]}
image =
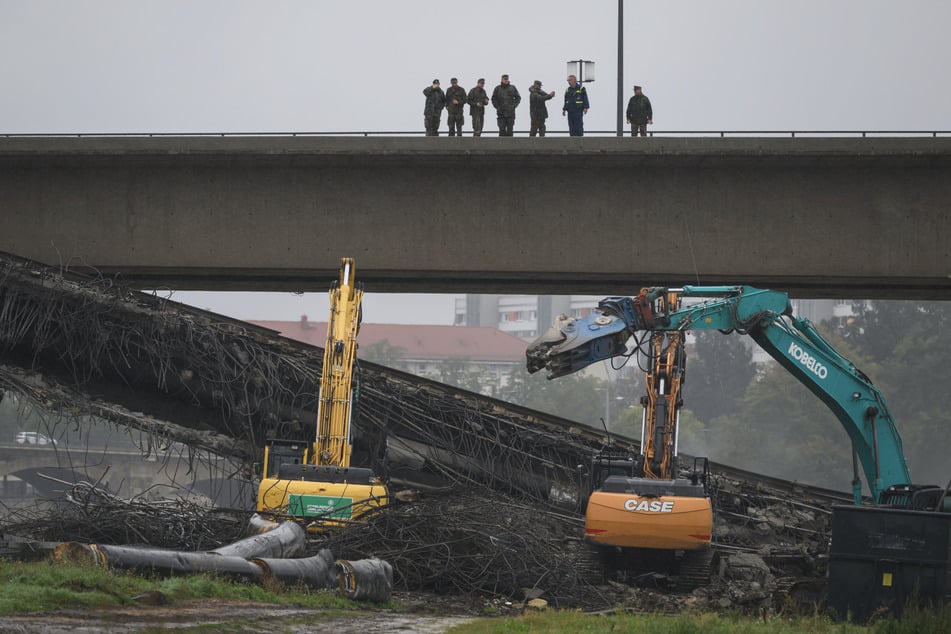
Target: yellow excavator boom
{"points": [[332, 445]]}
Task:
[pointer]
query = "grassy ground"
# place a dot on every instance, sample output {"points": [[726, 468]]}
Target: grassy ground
{"points": [[562, 622], [48, 586], [42, 586]]}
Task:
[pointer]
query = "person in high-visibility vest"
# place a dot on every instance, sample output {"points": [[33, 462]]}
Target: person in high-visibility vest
{"points": [[576, 106]]}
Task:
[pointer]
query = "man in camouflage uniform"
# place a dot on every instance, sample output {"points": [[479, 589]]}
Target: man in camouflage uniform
{"points": [[639, 112], [455, 102], [435, 102], [478, 100], [505, 98], [537, 108]]}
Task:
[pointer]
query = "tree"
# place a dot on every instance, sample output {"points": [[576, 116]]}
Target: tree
{"points": [[909, 340], [692, 430], [877, 326], [384, 353], [921, 404], [459, 372], [576, 396], [718, 374], [782, 429]]}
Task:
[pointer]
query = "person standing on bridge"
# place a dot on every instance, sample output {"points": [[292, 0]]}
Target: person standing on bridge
{"points": [[537, 108], [576, 106], [432, 112], [455, 103], [478, 100], [639, 112], [505, 98]]}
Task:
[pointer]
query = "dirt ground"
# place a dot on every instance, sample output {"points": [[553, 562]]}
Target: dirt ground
{"points": [[424, 614]]}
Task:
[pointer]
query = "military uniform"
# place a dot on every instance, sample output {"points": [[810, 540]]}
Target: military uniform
{"points": [[478, 99], [455, 110], [576, 103], [432, 112], [505, 98], [639, 112], [538, 109]]}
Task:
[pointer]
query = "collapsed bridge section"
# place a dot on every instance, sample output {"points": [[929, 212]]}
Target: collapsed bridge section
{"points": [[181, 374]]}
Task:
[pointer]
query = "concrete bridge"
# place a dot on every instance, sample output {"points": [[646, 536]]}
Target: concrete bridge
{"points": [[817, 217]]}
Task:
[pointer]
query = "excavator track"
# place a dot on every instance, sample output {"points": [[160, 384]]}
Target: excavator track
{"points": [[696, 569], [588, 561]]}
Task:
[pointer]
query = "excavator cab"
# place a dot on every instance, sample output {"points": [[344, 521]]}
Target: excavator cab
{"points": [[609, 463], [279, 452], [918, 497]]}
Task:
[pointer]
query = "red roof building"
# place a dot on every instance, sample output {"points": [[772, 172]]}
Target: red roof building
{"points": [[432, 351]]}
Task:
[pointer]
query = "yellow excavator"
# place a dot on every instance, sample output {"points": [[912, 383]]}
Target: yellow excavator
{"points": [[313, 482]]}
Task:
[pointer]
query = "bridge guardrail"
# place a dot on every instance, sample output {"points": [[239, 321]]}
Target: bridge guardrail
{"points": [[591, 133]]}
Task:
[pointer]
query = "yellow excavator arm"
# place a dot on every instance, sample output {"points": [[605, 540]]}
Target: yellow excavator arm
{"points": [[332, 445]]}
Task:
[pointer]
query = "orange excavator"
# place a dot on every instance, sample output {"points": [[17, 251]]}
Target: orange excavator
{"points": [[641, 514]]}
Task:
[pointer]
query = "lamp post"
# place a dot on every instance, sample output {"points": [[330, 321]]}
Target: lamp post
{"points": [[620, 67], [608, 397]]}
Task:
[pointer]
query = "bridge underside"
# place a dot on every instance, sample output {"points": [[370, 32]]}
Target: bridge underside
{"points": [[832, 217]]}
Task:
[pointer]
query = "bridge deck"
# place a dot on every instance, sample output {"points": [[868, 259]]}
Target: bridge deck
{"points": [[820, 217]]}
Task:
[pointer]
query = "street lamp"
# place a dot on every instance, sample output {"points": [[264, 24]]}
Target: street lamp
{"points": [[582, 69], [608, 397], [620, 66]]}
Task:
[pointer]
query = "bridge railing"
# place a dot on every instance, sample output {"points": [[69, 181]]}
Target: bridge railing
{"points": [[590, 133]]}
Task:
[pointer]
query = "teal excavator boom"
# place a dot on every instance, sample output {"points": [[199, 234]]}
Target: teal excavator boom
{"points": [[764, 315]]}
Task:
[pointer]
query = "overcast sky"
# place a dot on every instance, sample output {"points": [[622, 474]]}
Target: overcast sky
{"points": [[178, 66], [296, 66]]}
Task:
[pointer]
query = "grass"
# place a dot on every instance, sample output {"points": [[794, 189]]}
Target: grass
{"points": [[914, 621], [45, 586], [48, 586]]}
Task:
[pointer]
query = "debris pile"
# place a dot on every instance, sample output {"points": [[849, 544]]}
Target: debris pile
{"points": [[90, 514], [469, 543], [478, 543]]}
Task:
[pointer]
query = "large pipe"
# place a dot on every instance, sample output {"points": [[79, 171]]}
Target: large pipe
{"points": [[315, 572], [365, 579], [287, 539], [360, 580], [174, 562]]}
